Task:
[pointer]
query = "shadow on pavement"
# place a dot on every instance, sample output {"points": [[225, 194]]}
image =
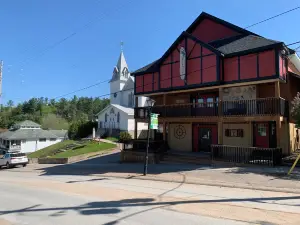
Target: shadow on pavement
{"points": [[110, 164], [115, 207], [274, 173]]}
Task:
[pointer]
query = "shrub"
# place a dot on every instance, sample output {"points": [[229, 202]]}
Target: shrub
{"points": [[124, 136]]}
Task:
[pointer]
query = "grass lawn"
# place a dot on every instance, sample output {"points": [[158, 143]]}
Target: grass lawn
{"points": [[50, 150], [112, 139], [87, 148]]}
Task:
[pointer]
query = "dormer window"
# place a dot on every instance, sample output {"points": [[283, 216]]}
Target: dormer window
{"points": [[125, 72]]}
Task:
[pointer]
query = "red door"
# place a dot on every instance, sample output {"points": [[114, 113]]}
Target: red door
{"points": [[261, 132]]}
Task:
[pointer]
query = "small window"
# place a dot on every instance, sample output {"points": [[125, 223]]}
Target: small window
{"points": [[42, 140], [262, 130], [118, 117], [23, 141], [52, 139], [234, 132], [210, 102]]}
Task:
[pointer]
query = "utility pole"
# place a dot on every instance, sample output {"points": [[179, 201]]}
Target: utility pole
{"points": [[1, 69]]}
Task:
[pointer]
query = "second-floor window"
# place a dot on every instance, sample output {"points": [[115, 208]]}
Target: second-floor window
{"points": [[42, 140]]}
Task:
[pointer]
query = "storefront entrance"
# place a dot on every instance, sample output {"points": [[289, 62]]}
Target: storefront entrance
{"points": [[204, 136], [264, 134]]}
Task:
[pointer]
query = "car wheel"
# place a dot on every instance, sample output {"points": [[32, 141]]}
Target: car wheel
{"points": [[7, 165], [24, 165]]}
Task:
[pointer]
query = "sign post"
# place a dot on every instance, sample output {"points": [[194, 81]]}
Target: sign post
{"points": [[152, 125], [154, 121]]}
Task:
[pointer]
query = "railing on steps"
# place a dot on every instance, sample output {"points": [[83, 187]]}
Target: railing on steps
{"points": [[247, 155]]}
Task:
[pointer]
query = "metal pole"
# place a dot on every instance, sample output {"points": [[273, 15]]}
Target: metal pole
{"points": [[147, 150]]}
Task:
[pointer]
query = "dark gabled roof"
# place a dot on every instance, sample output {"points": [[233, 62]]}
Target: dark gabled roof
{"points": [[249, 42], [148, 68], [245, 42], [205, 15]]}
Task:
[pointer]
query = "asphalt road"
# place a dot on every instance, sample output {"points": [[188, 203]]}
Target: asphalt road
{"points": [[28, 197]]}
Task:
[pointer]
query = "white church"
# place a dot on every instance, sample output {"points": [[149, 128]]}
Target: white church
{"points": [[119, 114]]}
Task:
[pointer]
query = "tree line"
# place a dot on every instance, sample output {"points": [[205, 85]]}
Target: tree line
{"points": [[51, 113]]}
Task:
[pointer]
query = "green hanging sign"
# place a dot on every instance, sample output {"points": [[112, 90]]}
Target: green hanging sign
{"points": [[154, 121]]}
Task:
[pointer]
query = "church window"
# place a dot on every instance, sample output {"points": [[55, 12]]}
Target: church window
{"points": [[125, 72], [106, 117], [112, 111], [118, 117]]}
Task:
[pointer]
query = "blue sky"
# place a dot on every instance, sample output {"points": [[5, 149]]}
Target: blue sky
{"points": [[34, 68]]}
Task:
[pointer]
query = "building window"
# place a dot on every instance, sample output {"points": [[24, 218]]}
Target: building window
{"points": [[112, 111], [106, 117], [118, 117], [52, 139], [42, 140], [125, 72], [100, 124], [234, 132], [262, 129]]}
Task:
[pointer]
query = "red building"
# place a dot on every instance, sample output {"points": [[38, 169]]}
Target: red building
{"points": [[221, 84]]}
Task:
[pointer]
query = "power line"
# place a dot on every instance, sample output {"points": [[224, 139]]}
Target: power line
{"points": [[297, 42], [87, 25], [298, 7], [73, 34], [81, 89]]}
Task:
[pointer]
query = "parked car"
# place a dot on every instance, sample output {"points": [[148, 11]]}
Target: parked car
{"points": [[13, 159]]}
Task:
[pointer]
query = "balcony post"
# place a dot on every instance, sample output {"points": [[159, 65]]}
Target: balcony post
{"points": [[220, 103], [220, 132], [164, 104], [278, 122], [136, 104], [277, 89]]}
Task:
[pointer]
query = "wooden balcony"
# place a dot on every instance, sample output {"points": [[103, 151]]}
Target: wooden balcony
{"points": [[255, 107]]}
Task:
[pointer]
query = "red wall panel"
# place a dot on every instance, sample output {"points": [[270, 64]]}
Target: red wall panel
{"points": [[248, 66], [176, 54], [193, 50], [193, 71], [155, 86], [206, 51], [148, 82], [282, 67], [209, 30], [165, 76], [139, 84], [267, 63], [209, 73], [176, 79], [230, 69]]}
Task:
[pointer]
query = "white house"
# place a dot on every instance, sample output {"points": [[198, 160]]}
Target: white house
{"points": [[28, 136], [119, 114]]}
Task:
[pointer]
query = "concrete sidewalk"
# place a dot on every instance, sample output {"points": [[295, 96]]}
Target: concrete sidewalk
{"points": [[266, 179], [256, 178]]}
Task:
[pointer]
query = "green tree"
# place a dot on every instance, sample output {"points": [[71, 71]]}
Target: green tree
{"points": [[295, 112], [52, 121]]}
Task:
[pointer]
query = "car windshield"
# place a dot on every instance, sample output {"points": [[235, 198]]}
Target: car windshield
{"points": [[17, 155]]}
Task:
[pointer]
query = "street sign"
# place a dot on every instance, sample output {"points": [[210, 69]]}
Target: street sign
{"points": [[154, 121]]}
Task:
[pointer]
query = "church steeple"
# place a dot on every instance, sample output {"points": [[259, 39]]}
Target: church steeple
{"points": [[121, 71]]}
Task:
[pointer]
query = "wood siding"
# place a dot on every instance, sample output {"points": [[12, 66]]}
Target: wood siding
{"points": [[209, 30]]}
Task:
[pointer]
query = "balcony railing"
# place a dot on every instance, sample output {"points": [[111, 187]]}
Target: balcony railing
{"points": [[246, 155], [255, 107]]}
